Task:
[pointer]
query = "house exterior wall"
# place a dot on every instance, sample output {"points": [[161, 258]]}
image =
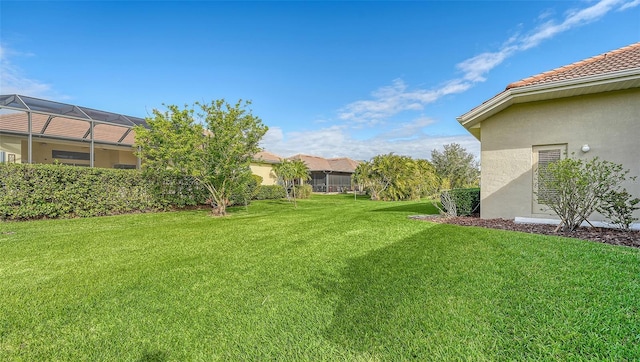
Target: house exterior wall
{"points": [[264, 170], [11, 145], [103, 157], [608, 122]]}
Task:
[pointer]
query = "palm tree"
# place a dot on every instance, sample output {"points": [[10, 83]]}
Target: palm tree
{"points": [[288, 171]]}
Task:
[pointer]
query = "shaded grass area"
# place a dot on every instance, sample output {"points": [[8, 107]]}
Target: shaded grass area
{"points": [[334, 279]]}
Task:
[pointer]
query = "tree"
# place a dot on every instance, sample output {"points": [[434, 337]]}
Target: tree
{"points": [[394, 177], [575, 188], [457, 166], [215, 146], [288, 171]]}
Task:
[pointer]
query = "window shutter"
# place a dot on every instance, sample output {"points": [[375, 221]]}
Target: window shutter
{"points": [[543, 156]]}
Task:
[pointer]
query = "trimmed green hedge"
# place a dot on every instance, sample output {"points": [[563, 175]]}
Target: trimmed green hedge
{"points": [[171, 191], [270, 192], [53, 191], [59, 191], [467, 201]]}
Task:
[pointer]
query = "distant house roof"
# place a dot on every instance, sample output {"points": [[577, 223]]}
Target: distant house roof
{"points": [[315, 163], [266, 157], [615, 70]]}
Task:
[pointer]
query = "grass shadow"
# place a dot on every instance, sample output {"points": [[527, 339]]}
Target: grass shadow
{"points": [[454, 293], [154, 356], [417, 208], [397, 297]]}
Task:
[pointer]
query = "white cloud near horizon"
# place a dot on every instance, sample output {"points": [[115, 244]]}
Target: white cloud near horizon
{"points": [[336, 141]]}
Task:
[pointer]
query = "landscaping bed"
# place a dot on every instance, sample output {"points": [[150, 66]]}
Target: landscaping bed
{"points": [[601, 235]]}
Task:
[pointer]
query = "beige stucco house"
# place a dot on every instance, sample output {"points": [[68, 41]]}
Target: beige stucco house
{"points": [[586, 109], [34, 130], [262, 165], [325, 174]]}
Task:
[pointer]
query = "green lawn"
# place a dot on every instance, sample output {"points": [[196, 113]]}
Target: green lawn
{"points": [[334, 279]]}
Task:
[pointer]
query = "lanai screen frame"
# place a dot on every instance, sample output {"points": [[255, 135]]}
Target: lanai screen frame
{"points": [[52, 109]]}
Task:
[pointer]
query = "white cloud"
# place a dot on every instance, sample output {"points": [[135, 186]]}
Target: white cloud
{"points": [[629, 5], [388, 101], [476, 67], [393, 99], [337, 142], [14, 81], [407, 130], [574, 18]]}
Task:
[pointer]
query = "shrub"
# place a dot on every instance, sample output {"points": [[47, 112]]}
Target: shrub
{"points": [[618, 207], [243, 194], [303, 191], [175, 191], [270, 192], [575, 188], [52, 191], [461, 202]]}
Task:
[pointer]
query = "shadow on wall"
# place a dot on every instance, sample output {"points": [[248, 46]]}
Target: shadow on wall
{"points": [[515, 198]]}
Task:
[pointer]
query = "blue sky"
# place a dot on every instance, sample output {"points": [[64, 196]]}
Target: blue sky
{"points": [[329, 78]]}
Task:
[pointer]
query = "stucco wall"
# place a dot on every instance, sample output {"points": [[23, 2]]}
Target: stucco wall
{"points": [[11, 145], [104, 156], [609, 123], [264, 170]]}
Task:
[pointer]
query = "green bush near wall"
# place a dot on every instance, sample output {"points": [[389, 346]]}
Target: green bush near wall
{"points": [[467, 201], [270, 192]]}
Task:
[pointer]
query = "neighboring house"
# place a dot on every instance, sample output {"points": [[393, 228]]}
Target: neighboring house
{"points": [[39, 131], [585, 109], [329, 174], [35, 130], [262, 166]]}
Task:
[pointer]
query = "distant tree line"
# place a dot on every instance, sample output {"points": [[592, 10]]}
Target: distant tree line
{"points": [[396, 177]]}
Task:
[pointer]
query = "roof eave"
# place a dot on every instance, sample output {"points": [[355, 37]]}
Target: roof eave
{"points": [[587, 85]]}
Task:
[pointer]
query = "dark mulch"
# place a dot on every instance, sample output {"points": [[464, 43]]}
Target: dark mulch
{"points": [[601, 235]]}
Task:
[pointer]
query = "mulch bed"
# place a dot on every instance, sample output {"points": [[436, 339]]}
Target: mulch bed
{"points": [[601, 235]]}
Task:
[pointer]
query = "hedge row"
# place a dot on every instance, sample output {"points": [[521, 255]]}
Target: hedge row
{"points": [[60, 191], [52, 191], [467, 201], [270, 192]]}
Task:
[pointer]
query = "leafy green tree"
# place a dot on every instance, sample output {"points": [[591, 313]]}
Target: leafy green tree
{"points": [[457, 166], [575, 188], [394, 177], [290, 171], [212, 142]]}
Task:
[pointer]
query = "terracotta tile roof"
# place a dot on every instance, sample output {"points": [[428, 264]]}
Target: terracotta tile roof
{"points": [[614, 61], [315, 163], [267, 157]]}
